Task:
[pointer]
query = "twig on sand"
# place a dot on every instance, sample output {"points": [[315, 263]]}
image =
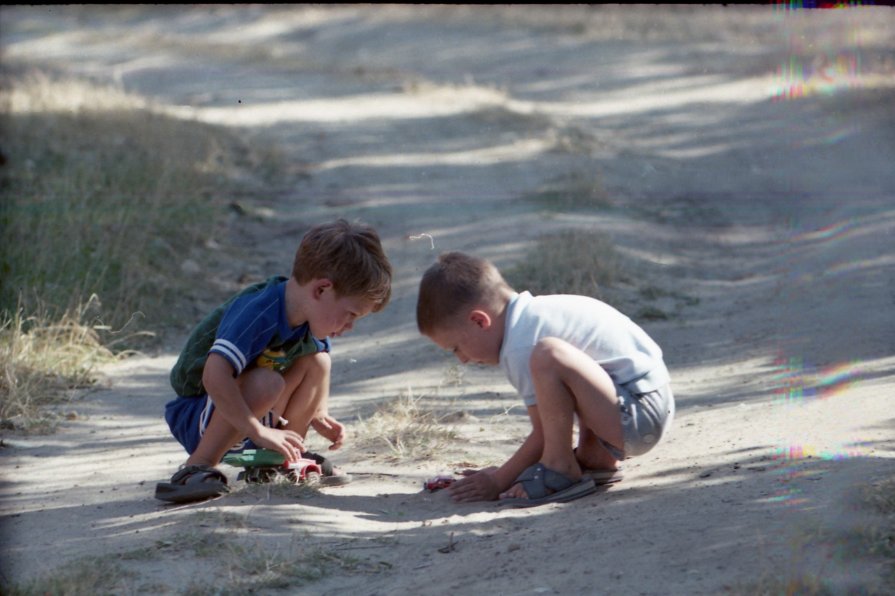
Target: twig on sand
{"points": [[451, 545], [419, 236]]}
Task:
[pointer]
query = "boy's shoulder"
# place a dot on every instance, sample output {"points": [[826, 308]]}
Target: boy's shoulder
{"points": [[268, 286], [187, 372], [209, 323], [548, 305], [565, 313], [259, 286]]}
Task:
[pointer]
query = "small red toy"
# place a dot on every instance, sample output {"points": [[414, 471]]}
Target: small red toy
{"points": [[437, 483]]}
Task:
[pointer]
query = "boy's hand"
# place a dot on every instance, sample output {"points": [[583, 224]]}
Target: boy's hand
{"points": [[330, 428], [475, 486], [287, 442]]}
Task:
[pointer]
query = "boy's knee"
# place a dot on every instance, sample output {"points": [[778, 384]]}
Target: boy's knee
{"points": [[262, 387], [320, 362]]}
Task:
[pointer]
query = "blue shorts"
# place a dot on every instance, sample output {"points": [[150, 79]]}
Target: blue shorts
{"points": [[646, 418], [188, 417]]}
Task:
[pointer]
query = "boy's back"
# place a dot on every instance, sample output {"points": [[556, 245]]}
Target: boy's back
{"points": [[258, 330], [609, 337]]}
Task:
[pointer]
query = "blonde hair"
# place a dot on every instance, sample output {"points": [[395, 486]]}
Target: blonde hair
{"points": [[350, 256], [453, 285]]}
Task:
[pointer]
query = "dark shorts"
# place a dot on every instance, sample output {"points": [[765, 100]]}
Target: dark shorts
{"points": [[188, 417]]}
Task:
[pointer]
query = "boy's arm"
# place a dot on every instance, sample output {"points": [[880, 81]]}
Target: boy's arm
{"points": [[329, 428], [528, 453], [230, 403], [487, 485]]}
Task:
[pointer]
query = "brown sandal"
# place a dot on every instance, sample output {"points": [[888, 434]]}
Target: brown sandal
{"points": [[192, 483]]}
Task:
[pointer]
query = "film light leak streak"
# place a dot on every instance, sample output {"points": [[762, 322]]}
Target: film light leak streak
{"points": [[795, 462], [807, 72], [830, 236], [835, 231], [795, 382], [808, 4]]}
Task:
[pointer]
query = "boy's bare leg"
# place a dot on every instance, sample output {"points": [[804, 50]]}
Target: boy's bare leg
{"points": [[591, 453], [306, 391], [261, 389], [567, 381]]}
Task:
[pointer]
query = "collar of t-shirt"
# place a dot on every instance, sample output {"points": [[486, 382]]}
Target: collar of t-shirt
{"points": [[517, 303], [283, 328]]}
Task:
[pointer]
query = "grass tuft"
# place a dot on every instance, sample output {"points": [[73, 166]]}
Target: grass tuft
{"points": [[79, 578], [879, 496], [573, 191], [43, 363], [406, 429], [567, 262]]}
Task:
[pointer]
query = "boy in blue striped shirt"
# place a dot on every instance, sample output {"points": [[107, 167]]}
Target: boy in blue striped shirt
{"points": [[255, 372]]}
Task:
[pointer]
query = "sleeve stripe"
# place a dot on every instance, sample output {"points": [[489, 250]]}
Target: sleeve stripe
{"points": [[231, 353]]}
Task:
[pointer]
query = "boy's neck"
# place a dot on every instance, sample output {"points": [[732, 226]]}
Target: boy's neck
{"points": [[500, 318], [296, 303]]}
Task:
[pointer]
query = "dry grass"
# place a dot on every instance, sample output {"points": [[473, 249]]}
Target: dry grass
{"points": [[873, 541], [572, 191], [880, 496], [105, 196], [100, 575], [879, 540], [567, 262], [404, 428], [102, 197], [43, 363], [242, 566]]}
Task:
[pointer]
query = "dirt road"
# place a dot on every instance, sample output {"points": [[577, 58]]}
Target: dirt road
{"points": [[746, 154]]}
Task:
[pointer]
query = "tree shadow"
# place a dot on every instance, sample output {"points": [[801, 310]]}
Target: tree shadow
{"points": [[407, 529]]}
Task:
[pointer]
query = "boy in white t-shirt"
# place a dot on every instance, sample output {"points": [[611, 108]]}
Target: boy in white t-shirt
{"points": [[567, 356]]}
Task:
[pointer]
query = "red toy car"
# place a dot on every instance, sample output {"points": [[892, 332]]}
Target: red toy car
{"points": [[303, 470], [437, 483]]}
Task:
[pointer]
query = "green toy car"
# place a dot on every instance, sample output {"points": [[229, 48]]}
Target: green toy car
{"points": [[264, 465]]}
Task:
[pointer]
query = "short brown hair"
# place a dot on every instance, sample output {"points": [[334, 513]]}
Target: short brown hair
{"points": [[456, 282], [350, 256]]}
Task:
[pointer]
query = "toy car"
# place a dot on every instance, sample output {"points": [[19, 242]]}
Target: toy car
{"points": [[437, 483], [264, 465]]}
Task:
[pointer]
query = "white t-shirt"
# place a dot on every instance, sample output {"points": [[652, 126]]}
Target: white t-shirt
{"points": [[614, 341]]}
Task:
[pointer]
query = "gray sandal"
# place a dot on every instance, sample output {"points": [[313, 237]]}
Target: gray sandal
{"points": [[543, 485], [192, 483], [603, 477]]}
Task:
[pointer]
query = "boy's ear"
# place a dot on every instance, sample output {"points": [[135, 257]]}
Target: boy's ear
{"points": [[320, 285], [480, 318]]}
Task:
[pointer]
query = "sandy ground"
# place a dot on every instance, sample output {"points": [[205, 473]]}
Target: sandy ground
{"points": [[747, 153]]}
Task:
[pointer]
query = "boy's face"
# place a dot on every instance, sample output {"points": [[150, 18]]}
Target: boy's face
{"points": [[336, 314], [472, 340]]}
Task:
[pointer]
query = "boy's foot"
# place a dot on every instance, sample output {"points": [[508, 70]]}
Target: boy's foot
{"points": [[192, 483], [543, 485], [332, 476]]}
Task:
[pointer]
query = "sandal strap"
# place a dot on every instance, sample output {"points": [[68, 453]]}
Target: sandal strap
{"points": [[186, 472], [540, 481]]}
